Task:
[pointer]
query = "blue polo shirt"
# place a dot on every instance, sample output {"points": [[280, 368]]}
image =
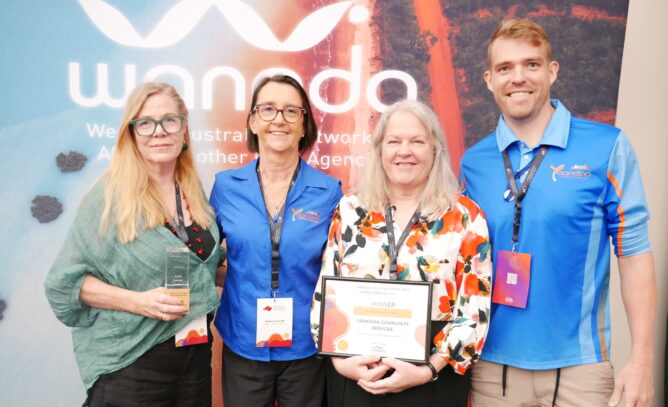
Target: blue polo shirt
{"points": [[241, 215], [586, 193]]}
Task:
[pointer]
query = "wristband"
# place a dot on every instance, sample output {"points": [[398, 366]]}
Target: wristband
{"points": [[434, 373]]}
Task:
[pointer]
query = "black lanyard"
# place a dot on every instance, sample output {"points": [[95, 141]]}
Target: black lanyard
{"points": [[520, 193], [392, 246], [181, 224], [275, 228]]}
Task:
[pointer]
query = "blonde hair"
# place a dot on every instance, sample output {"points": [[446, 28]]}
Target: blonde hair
{"points": [[131, 201], [441, 189], [520, 29]]}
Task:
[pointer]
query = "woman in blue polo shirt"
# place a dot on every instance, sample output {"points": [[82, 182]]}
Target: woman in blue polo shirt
{"points": [[275, 214]]}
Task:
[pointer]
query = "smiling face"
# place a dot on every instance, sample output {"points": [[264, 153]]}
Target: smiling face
{"points": [[160, 149], [278, 135], [520, 76], [407, 152]]}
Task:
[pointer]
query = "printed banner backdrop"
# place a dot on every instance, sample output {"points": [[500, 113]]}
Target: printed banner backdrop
{"points": [[68, 66]]}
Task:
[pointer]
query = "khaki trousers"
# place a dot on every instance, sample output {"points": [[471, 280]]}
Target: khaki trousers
{"points": [[587, 385]]}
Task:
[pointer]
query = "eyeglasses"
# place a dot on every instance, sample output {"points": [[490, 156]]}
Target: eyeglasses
{"points": [[147, 126], [291, 114]]}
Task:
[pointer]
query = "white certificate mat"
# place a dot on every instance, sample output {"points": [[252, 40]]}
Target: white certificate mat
{"points": [[375, 317]]}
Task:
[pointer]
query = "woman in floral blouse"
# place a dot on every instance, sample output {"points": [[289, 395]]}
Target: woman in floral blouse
{"points": [[409, 175]]}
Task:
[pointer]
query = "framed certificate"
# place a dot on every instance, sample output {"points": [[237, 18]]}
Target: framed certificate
{"points": [[387, 318]]}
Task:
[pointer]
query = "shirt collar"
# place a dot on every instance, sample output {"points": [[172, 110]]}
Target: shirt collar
{"points": [[307, 176], [556, 133]]}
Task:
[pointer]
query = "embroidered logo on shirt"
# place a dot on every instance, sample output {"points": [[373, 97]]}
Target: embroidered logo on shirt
{"points": [[555, 170], [310, 216], [580, 171]]}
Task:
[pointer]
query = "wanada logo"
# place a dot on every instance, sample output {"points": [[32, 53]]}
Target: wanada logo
{"points": [[576, 171], [185, 15]]}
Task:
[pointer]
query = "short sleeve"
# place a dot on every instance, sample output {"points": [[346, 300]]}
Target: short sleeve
{"points": [[625, 205]]}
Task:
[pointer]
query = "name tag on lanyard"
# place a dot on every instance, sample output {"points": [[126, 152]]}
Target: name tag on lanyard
{"points": [[274, 322], [513, 269], [513, 274], [274, 315], [195, 332]]}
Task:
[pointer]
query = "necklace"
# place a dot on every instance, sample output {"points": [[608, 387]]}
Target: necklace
{"points": [[277, 207], [281, 206]]}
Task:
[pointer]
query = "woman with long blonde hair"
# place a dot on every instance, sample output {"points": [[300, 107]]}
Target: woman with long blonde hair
{"points": [[134, 342]]}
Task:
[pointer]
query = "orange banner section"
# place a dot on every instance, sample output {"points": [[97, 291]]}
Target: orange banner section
{"points": [[430, 18]]}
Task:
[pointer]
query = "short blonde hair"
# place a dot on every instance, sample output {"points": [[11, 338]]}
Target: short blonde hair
{"points": [[441, 190], [131, 201], [520, 29]]}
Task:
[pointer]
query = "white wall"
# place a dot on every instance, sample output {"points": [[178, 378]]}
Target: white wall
{"points": [[643, 113]]}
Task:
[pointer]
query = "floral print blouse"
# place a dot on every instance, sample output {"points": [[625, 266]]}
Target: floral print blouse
{"points": [[449, 248]]}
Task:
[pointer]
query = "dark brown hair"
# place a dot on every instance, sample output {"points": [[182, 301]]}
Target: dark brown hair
{"points": [[310, 128]]}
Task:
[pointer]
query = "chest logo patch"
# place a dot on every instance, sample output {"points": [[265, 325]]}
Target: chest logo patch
{"points": [[555, 170], [576, 171], [301, 214]]}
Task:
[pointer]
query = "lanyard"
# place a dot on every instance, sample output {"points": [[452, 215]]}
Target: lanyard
{"points": [[392, 246], [520, 193], [181, 224], [275, 228], [508, 195]]}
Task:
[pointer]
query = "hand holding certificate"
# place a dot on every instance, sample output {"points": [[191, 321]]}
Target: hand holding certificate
{"points": [[375, 317]]}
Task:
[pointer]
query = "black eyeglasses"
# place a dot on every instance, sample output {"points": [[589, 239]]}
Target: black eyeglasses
{"points": [[291, 114], [147, 126]]}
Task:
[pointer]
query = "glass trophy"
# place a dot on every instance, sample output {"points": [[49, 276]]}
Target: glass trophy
{"points": [[176, 274]]}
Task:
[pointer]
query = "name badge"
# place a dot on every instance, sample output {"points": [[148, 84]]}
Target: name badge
{"points": [[274, 323], [511, 283], [195, 332]]}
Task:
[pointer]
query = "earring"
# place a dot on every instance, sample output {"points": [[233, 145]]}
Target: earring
{"points": [[185, 146]]}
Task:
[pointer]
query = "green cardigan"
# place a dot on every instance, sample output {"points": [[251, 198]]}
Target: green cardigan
{"points": [[108, 340]]}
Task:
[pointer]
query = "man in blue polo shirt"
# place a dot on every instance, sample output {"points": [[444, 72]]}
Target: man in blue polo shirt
{"points": [[556, 190]]}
